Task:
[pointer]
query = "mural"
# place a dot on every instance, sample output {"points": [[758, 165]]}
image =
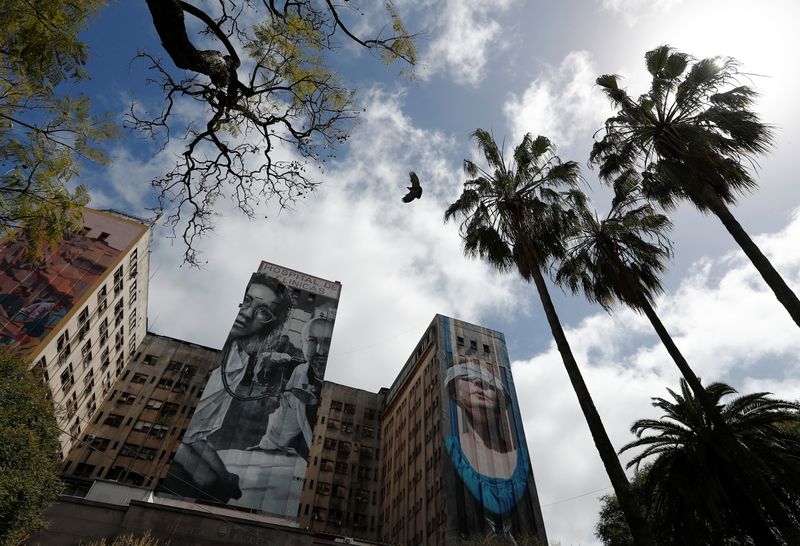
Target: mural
{"points": [[35, 296], [489, 471], [247, 443]]}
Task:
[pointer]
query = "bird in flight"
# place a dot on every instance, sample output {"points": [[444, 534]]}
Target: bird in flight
{"points": [[414, 190]]}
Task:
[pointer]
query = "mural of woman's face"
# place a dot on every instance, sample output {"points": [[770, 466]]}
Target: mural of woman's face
{"points": [[255, 311], [475, 393]]}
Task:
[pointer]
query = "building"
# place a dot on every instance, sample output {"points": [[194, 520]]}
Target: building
{"points": [[342, 482], [249, 441], [80, 313], [135, 432], [455, 460]]}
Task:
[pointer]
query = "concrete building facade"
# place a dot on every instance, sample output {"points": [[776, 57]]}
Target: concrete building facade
{"points": [[342, 481], [136, 431], [80, 313]]}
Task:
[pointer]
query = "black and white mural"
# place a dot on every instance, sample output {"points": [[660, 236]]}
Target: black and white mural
{"points": [[247, 443]]}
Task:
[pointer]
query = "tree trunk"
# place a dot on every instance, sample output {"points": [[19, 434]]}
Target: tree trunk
{"points": [[640, 529], [782, 292]]}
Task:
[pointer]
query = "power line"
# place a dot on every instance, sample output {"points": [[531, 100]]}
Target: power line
{"points": [[577, 496]]}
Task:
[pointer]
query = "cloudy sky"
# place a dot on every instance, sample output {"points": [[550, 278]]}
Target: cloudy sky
{"points": [[509, 66]]}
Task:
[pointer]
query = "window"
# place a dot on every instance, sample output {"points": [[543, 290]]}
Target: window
{"points": [[103, 332], [63, 346], [367, 432], [99, 444], [67, 379], [154, 404], [139, 378], [486, 349], [344, 448], [165, 383], [369, 413], [150, 360], [132, 320], [133, 263], [460, 341], [86, 352], [152, 429], [341, 468], [336, 405], [363, 472], [113, 420], [118, 280], [138, 452], [323, 488], [333, 424], [347, 427], [329, 443], [362, 495], [102, 299], [339, 491], [473, 344], [126, 398], [84, 470], [325, 465], [349, 409], [174, 366], [119, 312], [132, 293], [366, 452]]}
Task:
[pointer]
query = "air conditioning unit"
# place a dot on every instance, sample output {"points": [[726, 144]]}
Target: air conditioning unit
{"points": [[348, 540]]}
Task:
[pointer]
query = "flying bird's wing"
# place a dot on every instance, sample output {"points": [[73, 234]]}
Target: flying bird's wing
{"points": [[414, 190]]}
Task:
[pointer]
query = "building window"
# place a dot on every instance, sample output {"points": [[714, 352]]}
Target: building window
{"points": [[333, 424], [369, 413], [329, 443], [126, 398], [154, 404], [132, 293], [67, 379], [473, 344], [102, 299], [165, 383], [113, 420], [347, 427], [63, 346], [138, 452], [84, 470], [367, 432], [150, 360], [323, 488], [118, 280], [341, 468], [336, 405], [349, 409], [152, 429], [99, 444], [460, 341], [133, 263], [325, 465]]}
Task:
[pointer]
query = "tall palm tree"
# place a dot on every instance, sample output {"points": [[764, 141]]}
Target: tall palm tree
{"points": [[619, 258], [695, 489], [692, 136], [518, 216]]}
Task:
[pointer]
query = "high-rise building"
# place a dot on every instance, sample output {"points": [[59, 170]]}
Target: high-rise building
{"points": [[248, 442], [455, 460], [342, 482], [136, 431], [79, 313]]}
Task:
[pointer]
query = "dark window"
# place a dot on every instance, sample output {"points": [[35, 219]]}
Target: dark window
{"points": [[113, 420], [139, 378], [350, 409]]}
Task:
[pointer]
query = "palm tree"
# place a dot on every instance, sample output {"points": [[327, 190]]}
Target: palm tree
{"points": [[619, 258], [692, 136], [518, 216], [698, 491]]}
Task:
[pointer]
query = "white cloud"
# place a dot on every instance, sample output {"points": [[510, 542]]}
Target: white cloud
{"points": [[398, 264], [467, 35], [725, 321], [632, 10], [562, 103]]}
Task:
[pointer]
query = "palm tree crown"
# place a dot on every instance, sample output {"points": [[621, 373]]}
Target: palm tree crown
{"points": [[620, 257], [520, 214], [691, 485], [692, 129]]}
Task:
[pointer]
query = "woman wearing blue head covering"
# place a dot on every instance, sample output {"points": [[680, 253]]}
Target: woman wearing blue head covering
{"points": [[483, 443]]}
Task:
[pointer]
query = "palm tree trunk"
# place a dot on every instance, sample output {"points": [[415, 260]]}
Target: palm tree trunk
{"points": [[640, 529], [782, 292], [755, 487]]}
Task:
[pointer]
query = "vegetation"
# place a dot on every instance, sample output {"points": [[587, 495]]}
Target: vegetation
{"points": [[45, 131], [694, 492], [28, 451], [692, 137], [130, 539], [267, 85], [520, 216]]}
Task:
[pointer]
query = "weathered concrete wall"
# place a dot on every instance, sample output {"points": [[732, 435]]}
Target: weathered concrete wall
{"points": [[75, 521]]}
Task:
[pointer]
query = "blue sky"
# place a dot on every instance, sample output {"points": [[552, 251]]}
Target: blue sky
{"points": [[509, 66]]}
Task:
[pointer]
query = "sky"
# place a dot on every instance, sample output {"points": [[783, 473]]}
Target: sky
{"points": [[511, 67]]}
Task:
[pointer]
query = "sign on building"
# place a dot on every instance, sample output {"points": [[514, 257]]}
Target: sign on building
{"points": [[247, 443]]}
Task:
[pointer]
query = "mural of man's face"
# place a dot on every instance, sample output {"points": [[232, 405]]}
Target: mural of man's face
{"points": [[316, 345], [255, 311]]}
